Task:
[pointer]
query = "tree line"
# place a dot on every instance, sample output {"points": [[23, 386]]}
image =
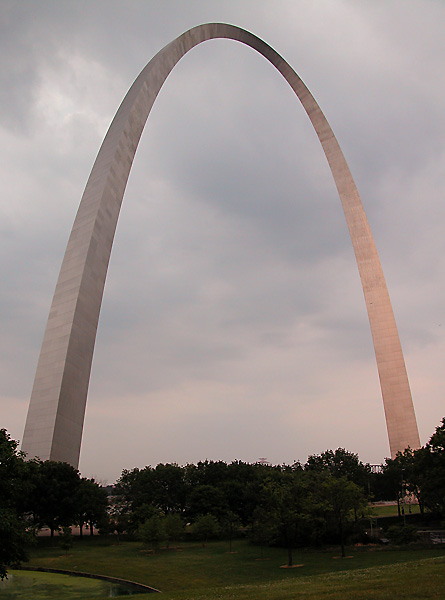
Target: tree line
{"points": [[322, 501], [288, 505]]}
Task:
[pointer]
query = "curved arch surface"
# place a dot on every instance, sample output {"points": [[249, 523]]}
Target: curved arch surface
{"points": [[57, 407]]}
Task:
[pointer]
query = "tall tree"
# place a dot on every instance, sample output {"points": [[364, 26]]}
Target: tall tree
{"points": [[430, 462], [168, 488], [207, 499], [173, 528], [230, 525], [91, 504], [343, 499], [285, 502], [206, 527], [152, 532], [163, 487], [263, 527], [13, 526], [118, 518], [341, 463], [54, 493]]}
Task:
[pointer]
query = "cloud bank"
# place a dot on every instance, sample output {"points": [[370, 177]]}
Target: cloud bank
{"points": [[233, 323]]}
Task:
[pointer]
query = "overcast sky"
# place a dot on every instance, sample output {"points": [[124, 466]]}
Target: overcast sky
{"points": [[233, 324]]}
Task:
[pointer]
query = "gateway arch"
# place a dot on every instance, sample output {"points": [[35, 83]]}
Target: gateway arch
{"points": [[57, 407]]}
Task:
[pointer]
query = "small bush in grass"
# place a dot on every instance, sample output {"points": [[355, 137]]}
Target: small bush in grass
{"points": [[152, 532], [399, 534], [174, 528], [206, 527], [66, 539]]}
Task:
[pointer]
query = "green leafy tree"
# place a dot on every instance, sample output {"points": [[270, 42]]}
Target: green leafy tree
{"points": [[263, 528], [230, 526], [430, 463], [163, 487], [407, 469], [206, 527], [342, 500], [54, 492], [243, 487], [401, 535], [118, 519], [391, 481], [285, 500], [14, 540], [341, 463], [152, 532], [132, 496], [91, 504], [14, 537], [207, 472], [173, 528], [66, 539], [168, 488], [206, 499], [419, 472]]}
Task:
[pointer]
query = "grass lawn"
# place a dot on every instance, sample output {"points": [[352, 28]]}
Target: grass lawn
{"points": [[24, 585], [390, 510], [197, 573], [406, 581]]}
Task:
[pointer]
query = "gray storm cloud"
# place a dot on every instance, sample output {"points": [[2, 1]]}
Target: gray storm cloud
{"points": [[233, 323]]}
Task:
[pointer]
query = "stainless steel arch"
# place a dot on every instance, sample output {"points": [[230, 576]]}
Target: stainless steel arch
{"points": [[57, 406]]}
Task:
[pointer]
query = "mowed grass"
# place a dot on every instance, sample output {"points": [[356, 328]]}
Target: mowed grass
{"points": [[24, 585], [196, 573], [416, 580], [390, 510]]}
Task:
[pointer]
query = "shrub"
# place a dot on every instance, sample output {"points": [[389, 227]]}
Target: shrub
{"points": [[399, 534]]}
